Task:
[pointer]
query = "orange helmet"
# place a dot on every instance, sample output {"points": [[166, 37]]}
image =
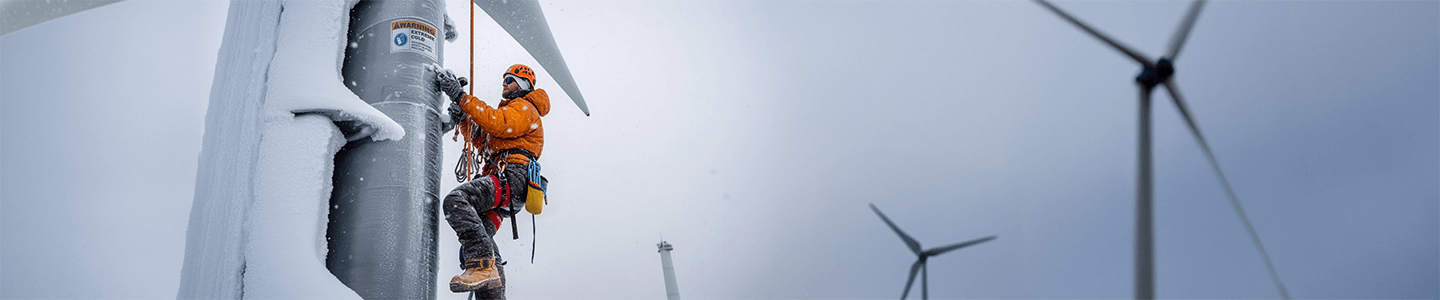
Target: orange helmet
{"points": [[523, 72]]}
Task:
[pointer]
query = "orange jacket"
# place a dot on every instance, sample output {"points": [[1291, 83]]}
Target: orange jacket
{"points": [[516, 124]]}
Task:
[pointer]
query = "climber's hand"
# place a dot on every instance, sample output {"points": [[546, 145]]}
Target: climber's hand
{"points": [[448, 83], [456, 115]]}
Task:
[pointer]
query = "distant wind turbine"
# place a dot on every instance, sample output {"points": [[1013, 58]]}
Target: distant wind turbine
{"points": [[1153, 74], [925, 255]]}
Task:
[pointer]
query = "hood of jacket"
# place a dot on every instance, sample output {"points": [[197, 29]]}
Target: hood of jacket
{"points": [[538, 98]]}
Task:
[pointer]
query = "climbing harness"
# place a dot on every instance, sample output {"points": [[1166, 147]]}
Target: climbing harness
{"points": [[536, 185]]}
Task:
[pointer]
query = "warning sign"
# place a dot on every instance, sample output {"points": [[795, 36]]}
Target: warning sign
{"points": [[413, 35]]}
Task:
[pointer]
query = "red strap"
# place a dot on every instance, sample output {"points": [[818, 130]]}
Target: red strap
{"points": [[502, 192], [494, 217], [495, 189]]}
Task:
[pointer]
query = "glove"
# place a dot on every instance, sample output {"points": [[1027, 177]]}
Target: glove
{"points": [[447, 83], [456, 116], [447, 127]]}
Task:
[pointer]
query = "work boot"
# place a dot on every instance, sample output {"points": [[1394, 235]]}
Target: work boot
{"points": [[480, 274]]}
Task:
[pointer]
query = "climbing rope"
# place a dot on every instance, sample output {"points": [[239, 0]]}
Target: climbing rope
{"points": [[532, 239], [472, 48], [470, 160]]}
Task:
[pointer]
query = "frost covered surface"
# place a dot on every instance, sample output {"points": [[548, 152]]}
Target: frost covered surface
{"points": [[285, 245], [305, 73], [259, 218], [214, 241]]}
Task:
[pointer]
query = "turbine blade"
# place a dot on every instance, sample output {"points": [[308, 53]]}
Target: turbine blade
{"points": [[17, 15], [913, 268], [938, 251], [1185, 112], [1182, 32], [526, 23], [909, 242], [1113, 43], [1229, 192]]}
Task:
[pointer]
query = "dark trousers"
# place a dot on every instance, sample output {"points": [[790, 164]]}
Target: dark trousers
{"points": [[466, 205]]}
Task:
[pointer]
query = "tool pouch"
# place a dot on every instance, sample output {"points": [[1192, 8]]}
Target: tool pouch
{"points": [[535, 194]]}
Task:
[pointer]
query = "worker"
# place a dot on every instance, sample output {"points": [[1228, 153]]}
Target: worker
{"points": [[511, 136]]}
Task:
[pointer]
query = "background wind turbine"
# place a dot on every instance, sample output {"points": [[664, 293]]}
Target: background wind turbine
{"points": [[920, 265], [1155, 73]]}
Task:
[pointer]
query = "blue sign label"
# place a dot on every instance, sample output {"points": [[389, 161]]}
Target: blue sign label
{"points": [[400, 39]]}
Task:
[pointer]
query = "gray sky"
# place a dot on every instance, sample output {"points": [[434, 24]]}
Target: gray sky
{"points": [[752, 134]]}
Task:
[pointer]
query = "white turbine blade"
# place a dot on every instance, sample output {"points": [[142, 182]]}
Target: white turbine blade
{"points": [[1229, 192], [940, 250], [908, 282], [909, 242], [19, 14], [526, 23], [1113, 43], [1182, 32]]}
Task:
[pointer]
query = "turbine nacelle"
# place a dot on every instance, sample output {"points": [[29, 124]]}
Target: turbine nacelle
{"points": [[1153, 75]]}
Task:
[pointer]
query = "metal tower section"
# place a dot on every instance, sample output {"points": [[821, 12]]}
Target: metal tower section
{"points": [[672, 290], [383, 211]]}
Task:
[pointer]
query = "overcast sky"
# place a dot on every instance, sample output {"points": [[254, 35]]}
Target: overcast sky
{"points": [[751, 135]]}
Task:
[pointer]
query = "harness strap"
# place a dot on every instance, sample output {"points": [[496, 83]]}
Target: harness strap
{"points": [[494, 218], [502, 192], [502, 199], [500, 156], [498, 159]]}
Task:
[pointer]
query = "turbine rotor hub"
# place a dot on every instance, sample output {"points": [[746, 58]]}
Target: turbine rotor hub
{"points": [[1152, 76]]}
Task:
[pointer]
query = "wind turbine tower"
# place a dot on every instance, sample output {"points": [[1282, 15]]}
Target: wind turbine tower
{"points": [[672, 291], [1154, 73]]}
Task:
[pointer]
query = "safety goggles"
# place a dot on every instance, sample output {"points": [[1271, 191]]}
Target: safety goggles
{"points": [[524, 83]]}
